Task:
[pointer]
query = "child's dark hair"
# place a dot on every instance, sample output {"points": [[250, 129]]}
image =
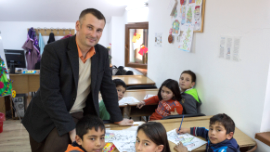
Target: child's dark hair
{"points": [[173, 86], [89, 122], [225, 120], [156, 133], [192, 74], [119, 82]]}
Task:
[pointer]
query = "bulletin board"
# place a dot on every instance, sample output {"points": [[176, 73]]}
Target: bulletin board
{"points": [[186, 13]]}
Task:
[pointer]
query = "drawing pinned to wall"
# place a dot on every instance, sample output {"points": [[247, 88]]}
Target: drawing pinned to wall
{"points": [[158, 39], [171, 6], [190, 14], [175, 27], [183, 21], [197, 18], [188, 140], [198, 2], [191, 1], [186, 39]]}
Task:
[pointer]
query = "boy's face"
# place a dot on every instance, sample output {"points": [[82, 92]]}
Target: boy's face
{"points": [[120, 91], [217, 133], [185, 82], [93, 141]]}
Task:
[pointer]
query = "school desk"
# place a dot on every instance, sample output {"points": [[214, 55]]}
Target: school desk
{"points": [[132, 80], [243, 140], [147, 110]]}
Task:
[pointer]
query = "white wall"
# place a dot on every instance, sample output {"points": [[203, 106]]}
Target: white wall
{"points": [[235, 88], [117, 40], [14, 34]]}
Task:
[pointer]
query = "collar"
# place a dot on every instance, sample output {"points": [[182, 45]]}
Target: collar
{"points": [[88, 55]]}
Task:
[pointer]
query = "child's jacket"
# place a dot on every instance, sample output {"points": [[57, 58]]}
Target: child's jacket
{"points": [[224, 146], [190, 101], [74, 147], [165, 108]]}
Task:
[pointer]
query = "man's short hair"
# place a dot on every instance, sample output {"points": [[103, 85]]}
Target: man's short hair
{"points": [[225, 120], [87, 123], [94, 12]]}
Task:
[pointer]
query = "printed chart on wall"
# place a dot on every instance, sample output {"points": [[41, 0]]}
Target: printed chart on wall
{"points": [[229, 47], [188, 140], [192, 14]]}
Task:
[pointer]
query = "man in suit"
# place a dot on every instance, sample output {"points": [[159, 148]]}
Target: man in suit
{"points": [[73, 71]]}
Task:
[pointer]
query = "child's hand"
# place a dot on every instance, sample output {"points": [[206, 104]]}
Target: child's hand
{"points": [[182, 131], [174, 112], [180, 147], [140, 104]]}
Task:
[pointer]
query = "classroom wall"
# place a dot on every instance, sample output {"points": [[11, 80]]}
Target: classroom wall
{"points": [[117, 40], [235, 88], [14, 34]]}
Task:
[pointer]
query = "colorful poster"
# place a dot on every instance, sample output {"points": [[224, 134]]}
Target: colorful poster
{"points": [[186, 39], [190, 14], [183, 14], [191, 1], [198, 2], [175, 21]]}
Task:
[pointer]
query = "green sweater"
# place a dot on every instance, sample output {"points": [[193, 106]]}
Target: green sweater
{"points": [[103, 113]]}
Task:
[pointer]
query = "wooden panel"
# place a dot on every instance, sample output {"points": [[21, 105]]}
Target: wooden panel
{"points": [[20, 83], [34, 83], [2, 105]]}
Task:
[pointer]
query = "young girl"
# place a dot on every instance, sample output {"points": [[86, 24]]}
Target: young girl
{"points": [[152, 137], [168, 100], [191, 100]]}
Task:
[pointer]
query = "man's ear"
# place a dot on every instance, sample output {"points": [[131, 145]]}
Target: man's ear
{"points": [[78, 140], [229, 135], [78, 25], [160, 148], [193, 83]]}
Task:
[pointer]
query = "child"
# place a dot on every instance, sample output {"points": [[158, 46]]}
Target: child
{"points": [[190, 99], [219, 135], [151, 137], [121, 89], [168, 100], [90, 135]]}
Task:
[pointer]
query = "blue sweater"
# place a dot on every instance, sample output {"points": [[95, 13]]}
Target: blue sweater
{"points": [[224, 146]]}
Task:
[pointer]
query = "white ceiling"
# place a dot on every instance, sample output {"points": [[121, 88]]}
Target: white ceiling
{"points": [[59, 10]]}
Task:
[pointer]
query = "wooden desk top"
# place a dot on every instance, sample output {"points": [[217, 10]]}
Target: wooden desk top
{"points": [[140, 93], [242, 139], [132, 80]]}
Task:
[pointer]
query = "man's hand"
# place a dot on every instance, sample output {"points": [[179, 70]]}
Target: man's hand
{"points": [[140, 104], [72, 135], [182, 131], [180, 147], [125, 122]]}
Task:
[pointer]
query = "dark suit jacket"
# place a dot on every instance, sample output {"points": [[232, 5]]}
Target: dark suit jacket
{"points": [[59, 75]]}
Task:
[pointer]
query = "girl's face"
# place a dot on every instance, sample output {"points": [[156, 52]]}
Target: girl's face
{"points": [[144, 144], [185, 82], [166, 93]]}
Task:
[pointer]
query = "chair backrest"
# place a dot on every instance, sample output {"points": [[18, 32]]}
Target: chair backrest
{"points": [[141, 87]]}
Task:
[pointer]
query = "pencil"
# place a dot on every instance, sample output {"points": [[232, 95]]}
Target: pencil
{"points": [[181, 123]]}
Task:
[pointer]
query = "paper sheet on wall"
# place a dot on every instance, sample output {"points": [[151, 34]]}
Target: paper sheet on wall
{"points": [[222, 46], [128, 101], [158, 39], [175, 20], [186, 39], [191, 142], [236, 47], [171, 6], [229, 48]]}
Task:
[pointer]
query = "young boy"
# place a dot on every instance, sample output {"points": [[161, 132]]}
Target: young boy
{"points": [[190, 99], [90, 135], [219, 136], [121, 89]]}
